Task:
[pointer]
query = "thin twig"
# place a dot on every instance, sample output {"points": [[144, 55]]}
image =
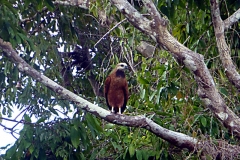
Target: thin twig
{"points": [[21, 112], [11, 120], [10, 129], [110, 31], [186, 40], [92, 17]]}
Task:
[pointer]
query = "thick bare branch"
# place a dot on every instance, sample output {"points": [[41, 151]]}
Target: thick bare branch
{"points": [[155, 15], [232, 19], [223, 48], [80, 3], [176, 138], [134, 16], [195, 62]]}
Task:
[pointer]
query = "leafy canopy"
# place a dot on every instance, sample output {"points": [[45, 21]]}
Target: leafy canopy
{"points": [[60, 41]]}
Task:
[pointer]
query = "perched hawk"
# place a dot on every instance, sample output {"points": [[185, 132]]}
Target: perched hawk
{"points": [[116, 89]]}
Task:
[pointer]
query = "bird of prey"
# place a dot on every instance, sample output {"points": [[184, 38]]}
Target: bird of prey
{"points": [[116, 89]]}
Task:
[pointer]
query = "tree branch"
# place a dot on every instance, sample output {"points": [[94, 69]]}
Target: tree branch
{"points": [[134, 16], [109, 32], [178, 139], [223, 48], [104, 20], [80, 3], [10, 129], [195, 62], [207, 90], [232, 19]]}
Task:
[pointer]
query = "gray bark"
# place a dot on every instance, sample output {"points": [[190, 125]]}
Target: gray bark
{"points": [[156, 27]]}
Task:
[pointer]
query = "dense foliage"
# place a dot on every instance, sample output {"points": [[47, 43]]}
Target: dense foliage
{"points": [[62, 42]]}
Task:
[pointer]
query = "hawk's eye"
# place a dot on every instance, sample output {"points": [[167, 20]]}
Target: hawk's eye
{"points": [[122, 65]]}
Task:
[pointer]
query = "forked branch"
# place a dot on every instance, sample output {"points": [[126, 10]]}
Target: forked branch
{"points": [[207, 90]]}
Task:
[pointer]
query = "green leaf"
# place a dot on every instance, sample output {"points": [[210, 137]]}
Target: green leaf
{"points": [[75, 137], [31, 149], [187, 27], [152, 95], [7, 67], [145, 154], [158, 96], [94, 154], [203, 121], [27, 118], [15, 73], [42, 119], [53, 110], [11, 151], [93, 122], [117, 146], [42, 154], [82, 157], [49, 4], [224, 91], [83, 135], [215, 129], [139, 154], [131, 150], [10, 31], [27, 144], [142, 94], [125, 153], [142, 80]]}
